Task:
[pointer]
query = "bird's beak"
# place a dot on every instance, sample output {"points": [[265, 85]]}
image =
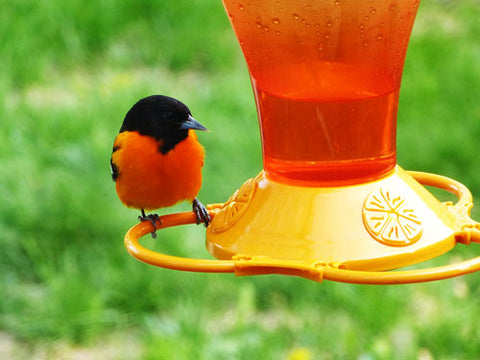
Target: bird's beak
{"points": [[193, 124]]}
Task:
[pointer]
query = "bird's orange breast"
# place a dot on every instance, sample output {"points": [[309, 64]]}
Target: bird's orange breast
{"points": [[148, 179]]}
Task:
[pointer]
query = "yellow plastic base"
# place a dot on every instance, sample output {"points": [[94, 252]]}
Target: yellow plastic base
{"points": [[400, 221], [380, 225]]}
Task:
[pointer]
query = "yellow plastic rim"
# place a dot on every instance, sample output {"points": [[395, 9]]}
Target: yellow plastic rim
{"points": [[246, 265]]}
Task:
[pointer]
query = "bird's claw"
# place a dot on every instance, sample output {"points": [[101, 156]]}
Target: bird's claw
{"points": [[201, 212], [153, 218]]}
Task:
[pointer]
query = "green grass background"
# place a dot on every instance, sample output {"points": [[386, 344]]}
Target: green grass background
{"points": [[69, 72]]}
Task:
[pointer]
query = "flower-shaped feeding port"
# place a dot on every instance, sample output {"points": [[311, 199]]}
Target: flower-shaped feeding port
{"points": [[389, 219]]}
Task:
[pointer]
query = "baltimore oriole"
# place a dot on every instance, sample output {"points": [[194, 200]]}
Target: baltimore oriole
{"points": [[156, 158]]}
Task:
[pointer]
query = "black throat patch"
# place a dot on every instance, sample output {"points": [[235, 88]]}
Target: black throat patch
{"points": [[171, 141]]}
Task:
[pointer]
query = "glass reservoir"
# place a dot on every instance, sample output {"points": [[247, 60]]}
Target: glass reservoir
{"points": [[326, 77]]}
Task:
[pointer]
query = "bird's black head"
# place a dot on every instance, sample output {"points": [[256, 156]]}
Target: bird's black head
{"points": [[163, 118]]}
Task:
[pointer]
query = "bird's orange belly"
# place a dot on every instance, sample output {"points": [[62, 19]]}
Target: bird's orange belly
{"points": [[151, 180]]}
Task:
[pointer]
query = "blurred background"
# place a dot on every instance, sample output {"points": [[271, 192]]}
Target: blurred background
{"points": [[69, 290]]}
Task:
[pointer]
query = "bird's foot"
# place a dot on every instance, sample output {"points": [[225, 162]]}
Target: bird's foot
{"points": [[153, 218], [201, 212]]}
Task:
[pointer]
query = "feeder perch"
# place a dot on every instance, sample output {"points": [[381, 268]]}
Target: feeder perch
{"points": [[331, 202]]}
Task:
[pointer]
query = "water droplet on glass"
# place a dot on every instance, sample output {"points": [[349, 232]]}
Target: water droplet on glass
{"points": [[329, 23], [337, 2], [327, 35], [241, 7], [258, 24], [266, 28], [320, 47], [365, 18], [296, 17], [365, 43], [277, 33], [276, 21], [379, 37], [373, 10]]}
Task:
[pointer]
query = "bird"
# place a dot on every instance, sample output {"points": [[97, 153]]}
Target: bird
{"points": [[157, 159]]}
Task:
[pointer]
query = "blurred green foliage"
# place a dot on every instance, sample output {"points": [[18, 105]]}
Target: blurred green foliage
{"points": [[70, 71], [38, 36]]}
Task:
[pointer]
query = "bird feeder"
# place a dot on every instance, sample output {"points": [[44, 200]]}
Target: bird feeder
{"points": [[331, 201]]}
